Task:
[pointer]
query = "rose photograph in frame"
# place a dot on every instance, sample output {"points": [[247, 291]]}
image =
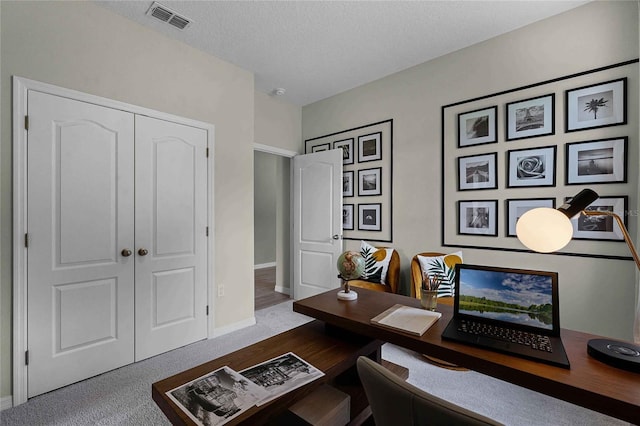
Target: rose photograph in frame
{"points": [[347, 150], [598, 105], [322, 147], [369, 148], [478, 217], [532, 167], [369, 182], [369, 217], [478, 172], [518, 207], [478, 127], [600, 161], [531, 118], [601, 227], [347, 184], [347, 217]]}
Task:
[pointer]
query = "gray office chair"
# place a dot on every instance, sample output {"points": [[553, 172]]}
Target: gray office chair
{"points": [[395, 402]]}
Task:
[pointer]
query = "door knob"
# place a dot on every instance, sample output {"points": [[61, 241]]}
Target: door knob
{"points": [[126, 252], [336, 237], [143, 252]]}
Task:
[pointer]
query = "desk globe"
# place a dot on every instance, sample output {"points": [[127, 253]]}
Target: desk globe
{"points": [[350, 267]]}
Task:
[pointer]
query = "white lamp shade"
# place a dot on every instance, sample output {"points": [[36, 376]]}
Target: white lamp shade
{"points": [[544, 229]]}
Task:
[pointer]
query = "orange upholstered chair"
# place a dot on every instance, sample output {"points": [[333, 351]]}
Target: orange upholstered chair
{"points": [[416, 278], [392, 280]]}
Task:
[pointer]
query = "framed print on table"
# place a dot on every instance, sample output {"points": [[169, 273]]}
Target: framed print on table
{"points": [[369, 217], [518, 207], [347, 150], [601, 161], [347, 184], [478, 172], [531, 167], [598, 105], [369, 147], [319, 148], [478, 217], [531, 118], [369, 182], [478, 127], [347, 217], [601, 227]]}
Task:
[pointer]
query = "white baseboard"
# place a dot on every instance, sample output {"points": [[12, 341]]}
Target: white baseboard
{"points": [[226, 329], [283, 290], [6, 402], [264, 265]]}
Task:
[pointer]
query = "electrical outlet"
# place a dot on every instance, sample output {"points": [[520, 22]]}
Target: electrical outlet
{"points": [[220, 291]]}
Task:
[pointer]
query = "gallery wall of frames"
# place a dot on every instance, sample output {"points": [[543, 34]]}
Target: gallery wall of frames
{"points": [[538, 145], [366, 178]]}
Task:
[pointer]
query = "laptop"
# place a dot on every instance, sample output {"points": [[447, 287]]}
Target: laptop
{"points": [[513, 311]]}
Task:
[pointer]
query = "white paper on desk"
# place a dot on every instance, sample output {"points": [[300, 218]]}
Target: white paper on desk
{"points": [[406, 318]]}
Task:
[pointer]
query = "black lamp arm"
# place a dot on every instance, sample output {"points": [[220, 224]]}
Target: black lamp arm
{"points": [[625, 233]]}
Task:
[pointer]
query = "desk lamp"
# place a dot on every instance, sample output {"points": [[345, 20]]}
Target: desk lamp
{"points": [[546, 230]]}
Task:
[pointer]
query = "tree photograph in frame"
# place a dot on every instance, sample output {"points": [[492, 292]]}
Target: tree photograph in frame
{"points": [[531, 167], [598, 105], [347, 217], [347, 150], [478, 217], [478, 127], [347, 184], [369, 148], [322, 147], [531, 118], [369, 217], [518, 207], [601, 227], [600, 161], [478, 172], [369, 182]]}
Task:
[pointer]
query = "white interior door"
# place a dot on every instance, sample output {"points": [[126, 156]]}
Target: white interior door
{"points": [[80, 218], [317, 222], [171, 235]]}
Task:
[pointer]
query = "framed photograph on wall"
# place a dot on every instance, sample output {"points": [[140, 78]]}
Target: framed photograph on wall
{"points": [[478, 172], [347, 184], [601, 161], [531, 167], [369, 182], [478, 127], [347, 217], [601, 227], [323, 147], [598, 105], [369, 217], [531, 118], [369, 147], [478, 217], [518, 207], [347, 150]]}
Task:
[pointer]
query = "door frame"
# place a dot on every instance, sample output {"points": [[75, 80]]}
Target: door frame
{"points": [[21, 86]]}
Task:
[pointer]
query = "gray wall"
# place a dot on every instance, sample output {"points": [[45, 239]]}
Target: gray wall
{"points": [[596, 295], [264, 219]]}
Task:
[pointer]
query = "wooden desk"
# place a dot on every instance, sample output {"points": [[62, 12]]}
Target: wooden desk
{"points": [[335, 353], [589, 383]]}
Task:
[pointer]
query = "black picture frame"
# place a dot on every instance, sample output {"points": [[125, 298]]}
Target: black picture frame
{"points": [[347, 183], [609, 98], [370, 182], [370, 217], [530, 118], [347, 217], [478, 172], [478, 217], [347, 150], [599, 228], [478, 127], [531, 167], [320, 148], [516, 207], [598, 161], [369, 147]]}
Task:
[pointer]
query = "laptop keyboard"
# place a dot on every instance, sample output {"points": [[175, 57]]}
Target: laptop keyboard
{"points": [[533, 340]]}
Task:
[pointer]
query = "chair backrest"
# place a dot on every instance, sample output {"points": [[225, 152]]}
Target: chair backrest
{"points": [[395, 402], [416, 272]]}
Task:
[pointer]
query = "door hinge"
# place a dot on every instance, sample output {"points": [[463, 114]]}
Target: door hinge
{"points": [[26, 240], [26, 357], [26, 122], [207, 152], [207, 231], [207, 310]]}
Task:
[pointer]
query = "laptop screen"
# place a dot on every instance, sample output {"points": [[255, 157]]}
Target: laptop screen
{"points": [[523, 298]]}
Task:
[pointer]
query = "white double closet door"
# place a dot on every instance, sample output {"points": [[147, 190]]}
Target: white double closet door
{"points": [[117, 238]]}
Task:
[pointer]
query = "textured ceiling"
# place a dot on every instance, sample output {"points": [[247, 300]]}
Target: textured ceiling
{"points": [[316, 49]]}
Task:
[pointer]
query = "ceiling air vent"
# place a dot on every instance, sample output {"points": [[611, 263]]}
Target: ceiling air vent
{"points": [[167, 15]]}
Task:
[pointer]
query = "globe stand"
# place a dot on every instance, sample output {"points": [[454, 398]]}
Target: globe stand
{"points": [[347, 293]]}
